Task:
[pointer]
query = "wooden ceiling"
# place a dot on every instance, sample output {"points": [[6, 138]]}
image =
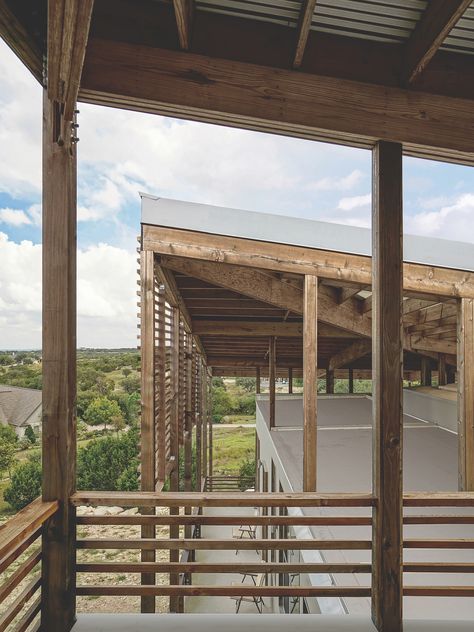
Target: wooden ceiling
{"points": [[234, 327]]}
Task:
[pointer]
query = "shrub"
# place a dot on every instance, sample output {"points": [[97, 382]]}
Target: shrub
{"points": [[30, 434], [7, 433], [109, 463], [247, 475], [7, 455], [25, 485], [101, 411]]}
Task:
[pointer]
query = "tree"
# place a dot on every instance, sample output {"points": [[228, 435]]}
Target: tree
{"points": [[247, 475], [247, 384], [25, 484], [101, 410], [221, 404], [131, 384], [109, 463], [7, 433], [7, 456], [30, 434], [118, 423], [126, 371]]}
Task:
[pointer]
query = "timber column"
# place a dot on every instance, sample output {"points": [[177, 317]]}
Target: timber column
{"points": [[310, 381], [387, 354], [465, 359]]}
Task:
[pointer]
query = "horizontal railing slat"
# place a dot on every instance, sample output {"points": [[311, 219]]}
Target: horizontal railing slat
{"points": [[225, 591], [17, 605], [226, 520], [15, 578], [219, 499], [29, 616], [230, 567], [223, 544], [24, 523], [20, 547]]}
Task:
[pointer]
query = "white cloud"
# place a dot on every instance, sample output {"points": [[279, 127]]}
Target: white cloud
{"points": [[350, 203], [450, 221], [106, 288], [344, 183], [13, 217]]}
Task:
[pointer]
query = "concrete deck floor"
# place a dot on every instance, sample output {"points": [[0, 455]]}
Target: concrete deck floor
{"points": [[259, 623], [223, 605]]}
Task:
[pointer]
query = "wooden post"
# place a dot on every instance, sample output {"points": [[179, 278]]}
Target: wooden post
{"points": [[147, 417], [387, 354], [59, 371], [211, 437], [174, 443], [205, 387], [290, 381], [271, 379], [257, 381], [329, 381], [310, 381], [442, 374], [198, 408], [425, 371], [351, 380], [465, 359]]}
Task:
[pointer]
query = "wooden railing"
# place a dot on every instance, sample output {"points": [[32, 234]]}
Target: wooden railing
{"points": [[229, 483], [224, 500], [20, 557]]}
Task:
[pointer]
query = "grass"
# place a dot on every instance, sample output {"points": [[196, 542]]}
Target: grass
{"points": [[232, 446], [238, 419]]}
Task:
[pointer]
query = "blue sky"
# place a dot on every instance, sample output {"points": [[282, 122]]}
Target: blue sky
{"points": [[121, 153]]}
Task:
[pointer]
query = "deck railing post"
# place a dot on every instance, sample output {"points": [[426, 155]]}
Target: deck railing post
{"points": [[387, 359], [310, 381], [465, 360]]}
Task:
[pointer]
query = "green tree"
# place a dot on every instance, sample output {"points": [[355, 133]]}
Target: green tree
{"points": [[247, 384], [129, 405], [131, 384], [101, 410], [221, 404], [30, 434], [109, 463], [7, 456], [247, 475], [7, 433], [126, 371], [25, 484]]}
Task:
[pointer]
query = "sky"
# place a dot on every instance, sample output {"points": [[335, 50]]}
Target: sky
{"points": [[121, 153]]}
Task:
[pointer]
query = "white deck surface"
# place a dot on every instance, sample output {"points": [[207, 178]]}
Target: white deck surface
{"points": [[345, 465], [257, 623]]}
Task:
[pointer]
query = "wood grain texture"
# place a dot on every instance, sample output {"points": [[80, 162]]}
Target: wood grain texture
{"points": [[271, 380], [387, 359], [304, 25], [356, 350], [260, 97], [184, 12], [429, 34], [465, 356], [59, 372], [310, 380]]}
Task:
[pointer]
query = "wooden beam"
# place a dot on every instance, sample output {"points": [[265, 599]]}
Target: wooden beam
{"points": [[59, 373], [257, 381], [425, 372], [429, 34], [357, 350], [345, 293], [290, 380], [20, 41], [246, 328], [329, 382], [442, 375], [387, 359], [147, 416], [271, 380], [351, 380], [300, 260], [310, 370], [68, 28], [320, 107], [466, 394], [175, 421], [304, 26], [184, 13]]}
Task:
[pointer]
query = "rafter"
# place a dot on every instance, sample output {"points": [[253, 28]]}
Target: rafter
{"points": [[20, 41], [430, 32], [355, 351], [304, 26], [68, 24], [184, 13]]}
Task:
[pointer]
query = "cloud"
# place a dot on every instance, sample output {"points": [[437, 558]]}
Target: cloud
{"points": [[350, 203], [13, 217], [106, 303], [344, 183], [450, 221]]}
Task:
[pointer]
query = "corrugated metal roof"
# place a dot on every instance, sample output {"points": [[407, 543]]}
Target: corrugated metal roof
{"points": [[461, 38], [380, 20]]}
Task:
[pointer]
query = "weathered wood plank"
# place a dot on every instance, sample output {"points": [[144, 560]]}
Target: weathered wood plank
{"points": [[271, 380], [310, 370], [306, 17], [387, 359], [465, 356]]}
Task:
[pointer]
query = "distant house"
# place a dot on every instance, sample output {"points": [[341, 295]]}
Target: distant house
{"points": [[20, 407]]}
